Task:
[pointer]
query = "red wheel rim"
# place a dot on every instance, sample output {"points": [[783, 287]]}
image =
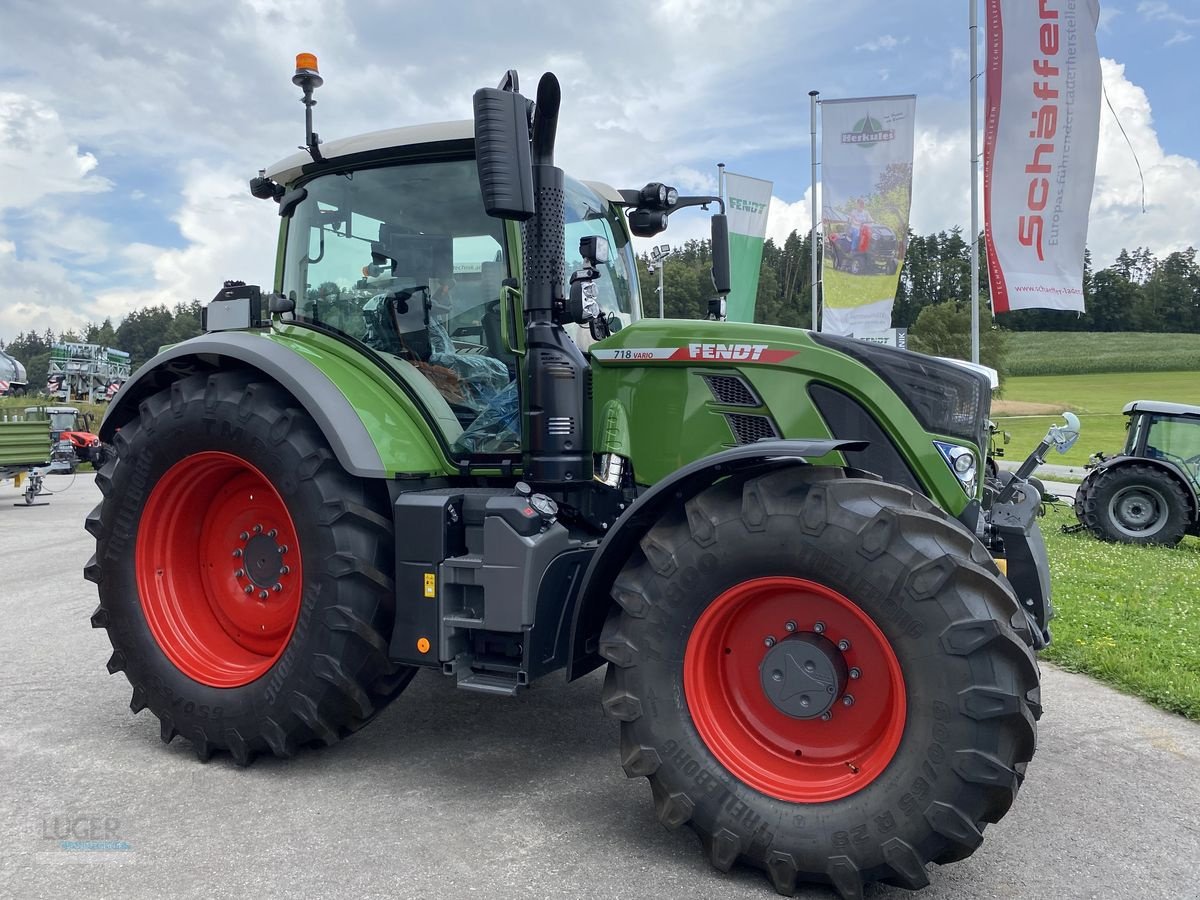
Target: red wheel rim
{"points": [[801, 760], [218, 569]]}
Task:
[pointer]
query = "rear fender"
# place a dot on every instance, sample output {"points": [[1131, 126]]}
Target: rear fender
{"points": [[334, 414], [594, 601]]}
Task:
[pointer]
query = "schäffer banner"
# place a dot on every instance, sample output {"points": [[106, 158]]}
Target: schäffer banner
{"points": [[1039, 149]]}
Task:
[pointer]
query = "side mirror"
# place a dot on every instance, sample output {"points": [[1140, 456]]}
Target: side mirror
{"points": [[503, 155], [720, 254]]}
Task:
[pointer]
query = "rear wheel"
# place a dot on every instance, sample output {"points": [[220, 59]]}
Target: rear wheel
{"points": [[824, 677], [244, 577], [1133, 504]]}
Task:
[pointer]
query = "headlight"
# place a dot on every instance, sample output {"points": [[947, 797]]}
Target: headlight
{"points": [[962, 463]]}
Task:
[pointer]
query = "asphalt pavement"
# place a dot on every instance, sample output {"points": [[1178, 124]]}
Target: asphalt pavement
{"points": [[451, 794]]}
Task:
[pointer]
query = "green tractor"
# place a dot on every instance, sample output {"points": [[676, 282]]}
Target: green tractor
{"points": [[446, 440], [1149, 493]]}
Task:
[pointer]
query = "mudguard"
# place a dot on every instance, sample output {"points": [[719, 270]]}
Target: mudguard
{"points": [[593, 601], [312, 388]]}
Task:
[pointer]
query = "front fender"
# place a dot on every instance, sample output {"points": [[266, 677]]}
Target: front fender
{"points": [[594, 602], [407, 448]]}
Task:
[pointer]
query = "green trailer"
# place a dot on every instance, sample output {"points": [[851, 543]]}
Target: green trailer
{"points": [[24, 453]]}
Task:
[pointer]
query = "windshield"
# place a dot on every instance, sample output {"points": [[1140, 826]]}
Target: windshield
{"points": [[404, 260], [1175, 439]]}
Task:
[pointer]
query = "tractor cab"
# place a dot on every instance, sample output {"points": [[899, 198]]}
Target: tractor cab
{"points": [[386, 244]]}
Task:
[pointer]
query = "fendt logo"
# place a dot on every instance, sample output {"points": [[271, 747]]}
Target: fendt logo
{"points": [[726, 351], [868, 131], [751, 206]]}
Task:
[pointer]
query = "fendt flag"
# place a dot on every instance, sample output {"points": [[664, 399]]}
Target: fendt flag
{"points": [[748, 200], [866, 193], [1039, 151]]}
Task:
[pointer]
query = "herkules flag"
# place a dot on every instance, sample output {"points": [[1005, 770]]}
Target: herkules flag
{"points": [[866, 193], [1039, 152]]}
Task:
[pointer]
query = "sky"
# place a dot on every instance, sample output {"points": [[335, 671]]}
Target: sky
{"points": [[129, 128]]}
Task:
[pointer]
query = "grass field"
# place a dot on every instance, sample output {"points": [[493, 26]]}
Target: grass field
{"points": [[1079, 353], [1097, 399], [1127, 615]]}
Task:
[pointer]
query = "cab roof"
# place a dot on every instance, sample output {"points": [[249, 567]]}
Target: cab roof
{"points": [[1160, 408], [292, 167]]}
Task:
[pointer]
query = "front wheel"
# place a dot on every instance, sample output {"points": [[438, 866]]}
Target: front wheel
{"points": [[244, 576], [824, 677]]}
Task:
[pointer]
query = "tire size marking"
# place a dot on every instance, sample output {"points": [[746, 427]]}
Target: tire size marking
{"points": [[181, 705]]}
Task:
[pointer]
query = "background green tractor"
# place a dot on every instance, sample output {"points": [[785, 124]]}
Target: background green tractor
{"points": [[1147, 494], [446, 440]]}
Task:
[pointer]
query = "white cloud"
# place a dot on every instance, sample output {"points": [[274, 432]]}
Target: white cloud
{"points": [[883, 42], [37, 158], [229, 235], [1179, 37], [1159, 11]]}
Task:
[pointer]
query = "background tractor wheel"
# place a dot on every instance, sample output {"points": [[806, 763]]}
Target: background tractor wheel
{"points": [[245, 579], [1133, 504], [857, 265], [824, 677]]}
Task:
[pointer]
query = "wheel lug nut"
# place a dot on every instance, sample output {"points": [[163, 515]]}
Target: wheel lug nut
{"points": [[283, 548], [819, 628], [848, 700], [272, 533], [855, 673], [263, 595], [277, 588], [248, 590], [843, 645], [790, 626], [826, 716], [285, 570], [244, 536], [239, 573], [777, 675], [769, 641], [237, 554], [258, 529]]}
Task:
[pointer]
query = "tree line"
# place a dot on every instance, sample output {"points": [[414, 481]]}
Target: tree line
{"points": [[1138, 292], [140, 334]]}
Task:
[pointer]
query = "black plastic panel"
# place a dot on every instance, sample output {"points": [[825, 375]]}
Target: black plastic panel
{"points": [[847, 419]]}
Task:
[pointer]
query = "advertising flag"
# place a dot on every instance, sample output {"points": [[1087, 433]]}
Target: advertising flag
{"points": [[1039, 149], [866, 193], [748, 200]]}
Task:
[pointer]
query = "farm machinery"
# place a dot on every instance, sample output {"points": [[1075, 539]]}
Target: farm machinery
{"points": [[446, 440], [13, 378], [1150, 492], [25, 454]]}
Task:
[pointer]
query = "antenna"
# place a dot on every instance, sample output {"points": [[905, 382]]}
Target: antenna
{"points": [[308, 79]]}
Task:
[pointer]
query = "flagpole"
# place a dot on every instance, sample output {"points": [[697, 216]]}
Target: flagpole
{"points": [[816, 280], [974, 30]]}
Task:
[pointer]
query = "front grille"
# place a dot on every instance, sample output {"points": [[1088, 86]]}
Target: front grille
{"points": [[749, 429], [732, 390]]}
